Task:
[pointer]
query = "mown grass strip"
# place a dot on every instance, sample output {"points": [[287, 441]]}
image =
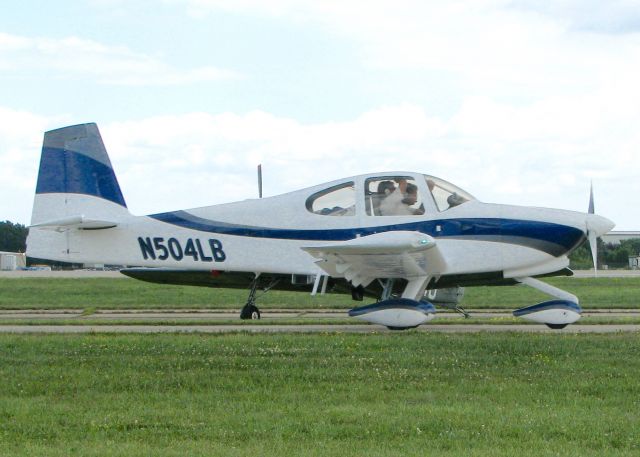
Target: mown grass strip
{"points": [[320, 395], [110, 293]]}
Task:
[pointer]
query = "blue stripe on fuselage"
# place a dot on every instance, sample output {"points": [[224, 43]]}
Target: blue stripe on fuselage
{"points": [[555, 239]]}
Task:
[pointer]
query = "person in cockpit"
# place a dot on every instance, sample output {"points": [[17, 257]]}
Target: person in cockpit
{"points": [[454, 200], [391, 204], [399, 199], [411, 198]]}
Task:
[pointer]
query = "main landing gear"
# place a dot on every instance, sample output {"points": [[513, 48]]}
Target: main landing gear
{"points": [[250, 310]]}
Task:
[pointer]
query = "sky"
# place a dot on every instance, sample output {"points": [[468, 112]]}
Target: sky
{"points": [[515, 102]]}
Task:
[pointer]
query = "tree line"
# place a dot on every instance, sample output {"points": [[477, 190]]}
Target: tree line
{"points": [[610, 254], [13, 237]]}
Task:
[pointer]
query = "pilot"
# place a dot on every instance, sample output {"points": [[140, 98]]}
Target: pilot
{"points": [[454, 200], [410, 199]]}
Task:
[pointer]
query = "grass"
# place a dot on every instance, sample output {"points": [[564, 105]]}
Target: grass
{"points": [[111, 293], [320, 395], [594, 293]]}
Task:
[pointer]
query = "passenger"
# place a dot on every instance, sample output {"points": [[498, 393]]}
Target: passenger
{"points": [[385, 188], [398, 202], [391, 205]]}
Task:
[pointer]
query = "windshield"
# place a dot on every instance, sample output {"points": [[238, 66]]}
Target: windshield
{"points": [[445, 194]]}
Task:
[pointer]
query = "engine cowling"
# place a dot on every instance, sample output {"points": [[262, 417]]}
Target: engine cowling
{"points": [[396, 313]]}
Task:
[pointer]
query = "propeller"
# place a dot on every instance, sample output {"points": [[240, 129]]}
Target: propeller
{"points": [[592, 235]]}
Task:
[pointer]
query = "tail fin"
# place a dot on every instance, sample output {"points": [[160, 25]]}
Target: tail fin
{"points": [[77, 188], [75, 161], [76, 177]]}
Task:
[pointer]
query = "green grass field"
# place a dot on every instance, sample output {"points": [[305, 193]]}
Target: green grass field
{"points": [[101, 293], [320, 395]]}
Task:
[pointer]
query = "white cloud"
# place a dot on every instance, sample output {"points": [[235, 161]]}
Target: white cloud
{"points": [[20, 142], [74, 57], [539, 101], [201, 147], [212, 158], [610, 17], [199, 159], [487, 46]]}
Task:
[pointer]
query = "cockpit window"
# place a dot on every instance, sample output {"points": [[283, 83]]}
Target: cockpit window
{"points": [[445, 194], [392, 196], [338, 200]]}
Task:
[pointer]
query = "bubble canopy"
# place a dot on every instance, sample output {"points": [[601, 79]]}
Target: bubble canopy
{"points": [[387, 194]]}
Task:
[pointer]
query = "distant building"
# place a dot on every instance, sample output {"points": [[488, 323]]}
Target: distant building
{"points": [[615, 237], [12, 260]]}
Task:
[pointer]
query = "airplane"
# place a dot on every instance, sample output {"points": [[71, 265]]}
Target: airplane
{"points": [[407, 241]]}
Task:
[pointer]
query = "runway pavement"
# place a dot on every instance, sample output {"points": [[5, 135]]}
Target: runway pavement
{"points": [[273, 321], [312, 328], [267, 315]]}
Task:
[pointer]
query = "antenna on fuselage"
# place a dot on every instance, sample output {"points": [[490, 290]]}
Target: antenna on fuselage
{"points": [[591, 235], [260, 180]]}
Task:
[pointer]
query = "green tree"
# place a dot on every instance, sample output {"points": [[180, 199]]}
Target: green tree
{"points": [[618, 254], [615, 255], [13, 237]]}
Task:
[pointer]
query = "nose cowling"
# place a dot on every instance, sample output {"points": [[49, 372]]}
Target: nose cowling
{"points": [[598, 224]]}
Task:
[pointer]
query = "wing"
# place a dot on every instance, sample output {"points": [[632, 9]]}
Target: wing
{"points": [[397, 254]]}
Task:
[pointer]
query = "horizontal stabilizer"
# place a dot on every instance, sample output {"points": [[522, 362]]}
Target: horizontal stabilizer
{"points": [[79, 222]]}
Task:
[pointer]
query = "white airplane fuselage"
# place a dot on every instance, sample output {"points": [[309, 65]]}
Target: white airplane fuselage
{"points": [[266, 235]]}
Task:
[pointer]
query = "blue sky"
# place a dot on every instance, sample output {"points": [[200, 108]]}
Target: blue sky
{"points": [[517, 103]]}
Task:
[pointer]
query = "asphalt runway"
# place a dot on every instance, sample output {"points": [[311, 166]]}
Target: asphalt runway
{"points": [[142, 321], [312, 328], [267, 315]]}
